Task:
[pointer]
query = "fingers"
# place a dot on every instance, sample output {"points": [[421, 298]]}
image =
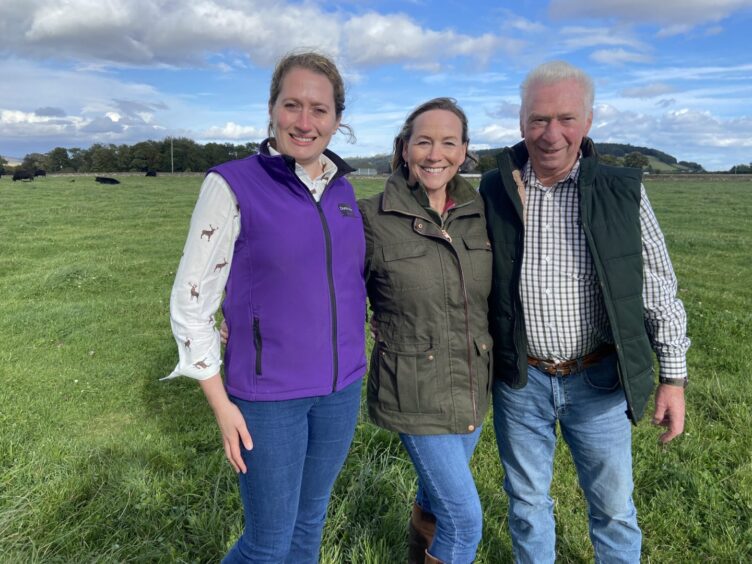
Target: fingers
{"points": [[668, 436], [675, 426], [230, 455], [234, 434], [233, 451], [234, 455], [659, 415], [669, 412], [245, 438], [224, 332]]}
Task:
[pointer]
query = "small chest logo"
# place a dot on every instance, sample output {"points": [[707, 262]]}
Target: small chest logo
{"points": [[346, 210]]}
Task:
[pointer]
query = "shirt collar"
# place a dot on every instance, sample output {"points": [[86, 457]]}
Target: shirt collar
{"points": [[327, 165], [530, 179]]}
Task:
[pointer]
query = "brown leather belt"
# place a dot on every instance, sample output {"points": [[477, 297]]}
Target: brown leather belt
{"points": [[567, 367]]}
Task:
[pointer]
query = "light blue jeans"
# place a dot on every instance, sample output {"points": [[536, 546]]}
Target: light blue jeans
{"points": [[299, 447], [446, 488], [591, 411]]}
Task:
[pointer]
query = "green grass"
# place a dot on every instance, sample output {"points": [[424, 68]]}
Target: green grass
{"points": [[100, 462]]}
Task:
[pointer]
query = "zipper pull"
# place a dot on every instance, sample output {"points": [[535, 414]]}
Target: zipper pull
{"points": [[446, 235]]}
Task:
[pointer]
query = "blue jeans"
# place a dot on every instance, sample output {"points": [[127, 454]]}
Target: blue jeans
{"points": [[299, 447], [446, 488], [591, 411]]}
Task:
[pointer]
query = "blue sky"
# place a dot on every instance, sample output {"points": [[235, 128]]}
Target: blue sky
{"points": [[675, 75]]}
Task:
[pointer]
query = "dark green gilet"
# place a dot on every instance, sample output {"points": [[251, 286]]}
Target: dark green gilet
{"points": [[610, 216]]}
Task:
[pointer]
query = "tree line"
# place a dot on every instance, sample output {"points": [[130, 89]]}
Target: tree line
{"points": [[177, 154], [180, 154]]}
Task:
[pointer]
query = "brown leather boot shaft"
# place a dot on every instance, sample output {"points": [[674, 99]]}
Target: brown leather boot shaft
{"points": [[421, 529], [431, 560]]}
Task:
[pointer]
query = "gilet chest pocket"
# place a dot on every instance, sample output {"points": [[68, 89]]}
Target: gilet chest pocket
{"points": [[410, 266]]}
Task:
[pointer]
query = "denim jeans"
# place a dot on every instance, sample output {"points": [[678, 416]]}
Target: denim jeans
{"points": [[299, 447], [591, 411], [446, 488]]}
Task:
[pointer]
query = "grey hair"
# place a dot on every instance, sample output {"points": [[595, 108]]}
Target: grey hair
{"points": [[553, 72]]}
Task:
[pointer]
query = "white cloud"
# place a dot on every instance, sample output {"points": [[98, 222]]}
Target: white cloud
{"points": [[497, 134], [84, 110], [524, 25], [704, 73], [377, 39], [579, 37], [673, 29], [664, 12], [618, 57], [649, 90], [505, 109], [154, 32], [233, 131], [687, 134]]}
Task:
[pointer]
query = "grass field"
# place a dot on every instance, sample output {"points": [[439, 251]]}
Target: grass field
{"points": [[100, 462]]}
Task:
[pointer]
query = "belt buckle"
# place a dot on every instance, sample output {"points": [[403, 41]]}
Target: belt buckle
{"points": [[552, 368]]}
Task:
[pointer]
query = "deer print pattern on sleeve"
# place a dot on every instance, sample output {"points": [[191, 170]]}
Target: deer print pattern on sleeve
{"points": [[201, 277]]}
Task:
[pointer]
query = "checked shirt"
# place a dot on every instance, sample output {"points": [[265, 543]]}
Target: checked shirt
{"points": [[565, 315]]}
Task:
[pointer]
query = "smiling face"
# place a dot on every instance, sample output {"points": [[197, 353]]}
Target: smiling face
{"points": [[435, 149], [303, 117], [554, 123]]}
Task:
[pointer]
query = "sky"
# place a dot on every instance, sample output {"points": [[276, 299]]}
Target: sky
{"points": [[674, 75]]}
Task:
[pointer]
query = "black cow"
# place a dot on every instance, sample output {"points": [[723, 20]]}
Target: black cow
{"points": [[23, 175], [106, 180], [40, 172], [151, 173]]}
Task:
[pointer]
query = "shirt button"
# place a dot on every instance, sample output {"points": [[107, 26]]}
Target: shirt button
{"points": [[547, 258], [471, 428], [547, 291]]}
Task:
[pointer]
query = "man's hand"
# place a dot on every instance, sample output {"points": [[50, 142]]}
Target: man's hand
{"points": [[669, 411]]}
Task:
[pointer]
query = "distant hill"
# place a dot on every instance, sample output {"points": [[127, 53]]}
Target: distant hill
{"points": [[382, 163], [658, 161]]}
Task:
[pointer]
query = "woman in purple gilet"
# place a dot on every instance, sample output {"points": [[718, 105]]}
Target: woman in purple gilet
{"points": [[281, 235]]}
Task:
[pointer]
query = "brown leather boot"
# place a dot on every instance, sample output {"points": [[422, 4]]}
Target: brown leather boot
{"points": [[431, 560], [421, 529]]}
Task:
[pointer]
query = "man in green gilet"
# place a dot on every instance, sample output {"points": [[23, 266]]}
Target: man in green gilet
{"points": [[583, 294]]}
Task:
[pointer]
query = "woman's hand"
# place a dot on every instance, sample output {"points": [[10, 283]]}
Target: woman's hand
{"points": [[234, 431], [224, 332], [230, 420]]}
